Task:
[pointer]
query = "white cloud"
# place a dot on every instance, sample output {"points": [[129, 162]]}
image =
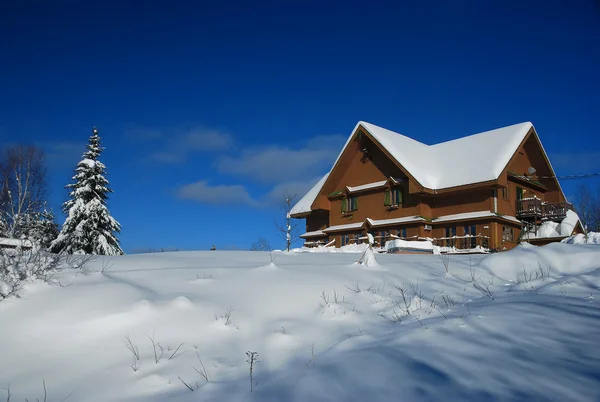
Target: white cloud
{"points": [[297, 188], [62, 154], [203, 192], [277, 164], [575, 163], [174, 146]]}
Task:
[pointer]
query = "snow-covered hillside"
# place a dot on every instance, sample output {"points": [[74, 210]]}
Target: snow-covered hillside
{"points": [[514, 326]]}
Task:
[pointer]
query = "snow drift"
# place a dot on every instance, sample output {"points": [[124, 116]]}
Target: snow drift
{"points": [[520, 325]]}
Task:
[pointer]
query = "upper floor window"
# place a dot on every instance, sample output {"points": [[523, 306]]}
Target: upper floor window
{"points": [[393, 197], [349, 204], [504, 193], [520, 193]]}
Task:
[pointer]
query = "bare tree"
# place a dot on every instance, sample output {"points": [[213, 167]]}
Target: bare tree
{"points": [[587, 205], [23, 184], [287, 229], [261, 244]]}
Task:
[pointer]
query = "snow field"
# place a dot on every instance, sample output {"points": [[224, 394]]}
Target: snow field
{"points": [[518, 325]]}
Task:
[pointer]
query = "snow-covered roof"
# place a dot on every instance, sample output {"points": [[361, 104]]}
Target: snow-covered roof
{"points": [[385, 222], [303, 206], [348, 226], [7, 242], [473, 159], [316, 233], [468, 158], [474, 215], [368, 186]]}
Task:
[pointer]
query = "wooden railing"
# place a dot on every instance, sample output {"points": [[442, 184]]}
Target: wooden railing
{"points": [[463, 242], [536, 208]]}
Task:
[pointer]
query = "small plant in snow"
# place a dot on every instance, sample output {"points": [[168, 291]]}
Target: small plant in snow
{"points": [[406, 301], [203, 372], [445, 259], [226, 317], [325, 298], [448, 301], [312, 355], [252, 362], [174, 354], [355, 289], [134, 351], [17, 267], [418, 294], [156, 347]]}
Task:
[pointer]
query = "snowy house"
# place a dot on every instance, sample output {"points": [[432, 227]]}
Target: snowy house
{"points": [[479, 191]]}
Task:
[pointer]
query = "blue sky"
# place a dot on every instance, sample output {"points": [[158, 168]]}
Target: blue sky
{"points": [[209, 110]]}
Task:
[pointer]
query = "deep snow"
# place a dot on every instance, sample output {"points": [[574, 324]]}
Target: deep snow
{"points": [[325, 328]]}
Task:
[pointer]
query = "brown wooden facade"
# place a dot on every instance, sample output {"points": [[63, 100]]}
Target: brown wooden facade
{"points": [[489, 214]]}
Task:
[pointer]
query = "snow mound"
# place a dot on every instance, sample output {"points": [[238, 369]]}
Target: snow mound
{"points": [[324, 329], [349, 248], [424, 245], [591, 238]]}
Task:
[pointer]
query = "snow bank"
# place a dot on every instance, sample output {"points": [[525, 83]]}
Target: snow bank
{"points": [[349, 248], [424, 245], [592, 238], [323, 329]]}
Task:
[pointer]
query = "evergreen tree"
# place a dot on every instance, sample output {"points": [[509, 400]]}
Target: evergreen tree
{"points": [[89, 227], [43, 230]]}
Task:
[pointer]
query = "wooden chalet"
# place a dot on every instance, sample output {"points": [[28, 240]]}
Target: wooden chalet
{"points": [[481, 190]]}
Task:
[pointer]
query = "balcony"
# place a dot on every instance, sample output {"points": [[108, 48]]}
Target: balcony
{"points": [[535, 208]]}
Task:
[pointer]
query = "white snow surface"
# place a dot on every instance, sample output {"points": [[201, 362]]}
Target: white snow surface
{"points": [[8, 242], [325, 328], [385, 222], [472, 215], [368, 186], [591, 238], [316, 233], [412, 244]]}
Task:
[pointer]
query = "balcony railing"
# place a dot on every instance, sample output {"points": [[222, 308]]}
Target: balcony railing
{"points": [[536, 208]]}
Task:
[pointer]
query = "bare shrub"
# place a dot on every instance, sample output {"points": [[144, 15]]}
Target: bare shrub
{"points": [[225, 317], [406, 301], [156, 347], [203, 372], [448, 301], [445, 259], [252, 362]]}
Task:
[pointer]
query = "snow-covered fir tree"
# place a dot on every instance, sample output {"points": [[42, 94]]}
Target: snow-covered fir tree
{"points": [[43, 230], [89, 227]]}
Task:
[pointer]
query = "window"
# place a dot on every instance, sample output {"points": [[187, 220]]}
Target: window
{"points": [[345, 239], [508, 233], [349, 204], [393, 197], [401, 232], [504, 193], [357, 239], [383, 237], [519, 193], [450, 232], [470, 242]]}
